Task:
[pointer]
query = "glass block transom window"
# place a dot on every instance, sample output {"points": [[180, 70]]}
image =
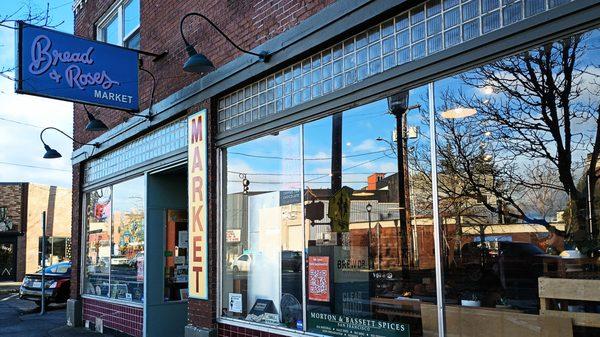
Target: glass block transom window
{"points": [[418, 32], [161, 141]]}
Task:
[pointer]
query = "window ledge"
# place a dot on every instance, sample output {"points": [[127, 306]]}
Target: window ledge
{"points": [[113, 300], [265, 328]]}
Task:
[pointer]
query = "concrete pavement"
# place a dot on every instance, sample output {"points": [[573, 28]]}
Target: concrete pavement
{"points": [[20, 318]]}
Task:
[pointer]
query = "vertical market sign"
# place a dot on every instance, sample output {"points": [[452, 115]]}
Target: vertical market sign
{"points": [[66, 67], [198, 263]]}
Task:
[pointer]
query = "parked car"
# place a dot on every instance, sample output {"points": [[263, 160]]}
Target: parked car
{"points": [[242, 263], [291, 260], [505, 259], [57, 284]]}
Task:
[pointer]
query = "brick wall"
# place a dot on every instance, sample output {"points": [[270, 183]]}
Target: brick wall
{"points": [[10, 197], [13, 196], [76, 224], [248, 23], [115, 316]]}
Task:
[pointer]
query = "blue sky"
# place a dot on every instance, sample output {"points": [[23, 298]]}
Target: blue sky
{"points": [[272, 163], [23, 117]]}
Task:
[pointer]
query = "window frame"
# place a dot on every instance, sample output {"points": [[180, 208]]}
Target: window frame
{"points": [[117, 11], [83, 243], [255, 131]]}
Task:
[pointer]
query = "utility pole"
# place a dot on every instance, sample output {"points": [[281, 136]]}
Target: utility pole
{"points": [[43, 308], [398, 107]]}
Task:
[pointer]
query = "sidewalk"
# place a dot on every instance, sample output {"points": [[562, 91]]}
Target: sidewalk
{"points": [[67, 331], [9, 287]]}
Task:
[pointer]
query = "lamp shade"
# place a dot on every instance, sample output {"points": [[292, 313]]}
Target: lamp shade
{"points": [[51, 153], [197, 63], [95, 125]]}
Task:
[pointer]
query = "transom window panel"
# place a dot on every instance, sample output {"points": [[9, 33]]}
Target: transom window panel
{"points": [[421, 31]]}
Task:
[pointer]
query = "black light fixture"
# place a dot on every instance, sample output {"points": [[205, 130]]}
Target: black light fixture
{"points": [[52, 153], [94, 123], [199, 63], [149, 116]]}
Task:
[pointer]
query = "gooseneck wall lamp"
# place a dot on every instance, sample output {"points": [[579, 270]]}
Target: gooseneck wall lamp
{"points": [[52, 153], [198, 62], [96, 124]]}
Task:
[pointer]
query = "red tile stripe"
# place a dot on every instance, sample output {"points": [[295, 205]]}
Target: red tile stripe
{"points": [[119, 317]]}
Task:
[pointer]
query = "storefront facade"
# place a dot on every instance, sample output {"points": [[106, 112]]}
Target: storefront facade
{"points": [[396, 168]]}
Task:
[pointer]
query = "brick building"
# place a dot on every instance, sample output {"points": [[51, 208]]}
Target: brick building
{"points": [[307, 127], [21, 207]]}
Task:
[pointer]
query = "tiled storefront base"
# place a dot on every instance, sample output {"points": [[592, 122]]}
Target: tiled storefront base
{"points": [[226, 330], [118, 317]]}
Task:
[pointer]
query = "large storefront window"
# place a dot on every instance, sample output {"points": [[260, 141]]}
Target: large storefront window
{"points": [[363, 255], [328, 227], [114, 260], [263, 232], [517, 149]]}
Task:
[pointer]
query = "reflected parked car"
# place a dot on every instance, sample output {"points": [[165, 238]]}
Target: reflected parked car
{"points": [[57, 284], [242, 263]]}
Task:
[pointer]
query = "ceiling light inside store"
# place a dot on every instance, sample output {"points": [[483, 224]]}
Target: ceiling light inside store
{"points": [[458, 113]]}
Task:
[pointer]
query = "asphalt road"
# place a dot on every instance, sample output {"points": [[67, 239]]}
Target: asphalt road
{"points": [[21, 318]]}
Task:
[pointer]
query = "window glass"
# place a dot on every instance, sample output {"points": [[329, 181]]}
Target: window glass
{"points": [[176, 264], [134, 41], [132, 17], [517, 149], [57, 250], [263, 232], [111, 31], [122, 28], [97, 242], [370, 238], [127, 259]]}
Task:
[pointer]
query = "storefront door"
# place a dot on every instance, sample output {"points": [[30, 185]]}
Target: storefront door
{"points": [[8, 259], [166, 257]]}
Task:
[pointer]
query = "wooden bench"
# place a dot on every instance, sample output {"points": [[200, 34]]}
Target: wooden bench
{"points": [[563, 289]]}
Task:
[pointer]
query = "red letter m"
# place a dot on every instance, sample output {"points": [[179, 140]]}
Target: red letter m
{"points": [[196, 129]]}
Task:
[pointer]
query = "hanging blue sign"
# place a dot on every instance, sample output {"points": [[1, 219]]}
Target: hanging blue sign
{"points": [[66, 67]]}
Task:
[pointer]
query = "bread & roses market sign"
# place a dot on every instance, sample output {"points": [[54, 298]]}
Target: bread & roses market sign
{"points": [[67, 67]]}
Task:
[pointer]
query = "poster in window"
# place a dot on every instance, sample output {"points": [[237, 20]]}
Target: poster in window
{"points": [[318, 278], [140, 268], [182, 239], [235, 302]]}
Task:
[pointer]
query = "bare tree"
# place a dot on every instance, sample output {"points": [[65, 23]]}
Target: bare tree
{"points": [[536, 138], [28, 14]]}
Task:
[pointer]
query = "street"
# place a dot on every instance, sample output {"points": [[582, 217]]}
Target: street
{"points": [[21, 318]]}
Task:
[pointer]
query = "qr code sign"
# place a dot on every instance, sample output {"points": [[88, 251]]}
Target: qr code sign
{"points": [[318, 281]]}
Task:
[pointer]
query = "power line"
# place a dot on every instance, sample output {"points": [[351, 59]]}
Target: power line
{"points": [[21, 123], [293, 158], [33, 166]]}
